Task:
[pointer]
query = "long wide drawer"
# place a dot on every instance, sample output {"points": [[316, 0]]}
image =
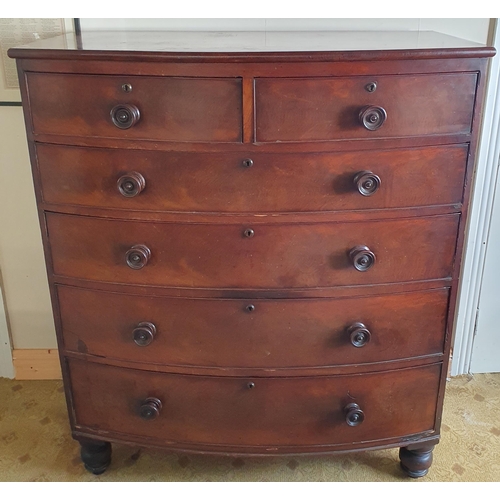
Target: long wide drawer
{"points": [[136, 107], [251, 182], [285, 333], [253, 255], [258, 413], [320, 109]]}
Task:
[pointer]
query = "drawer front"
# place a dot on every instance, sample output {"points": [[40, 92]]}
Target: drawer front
{"points": [[170, 109], [321, 109], [274, 182], [253, 333], [297, 411], [253, 255]]}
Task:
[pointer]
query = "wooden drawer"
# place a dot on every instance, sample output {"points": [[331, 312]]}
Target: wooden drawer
{"points": [[253, 255], [275, 182], [253, 333], [288, 412], [322, 109], [170, 109]]}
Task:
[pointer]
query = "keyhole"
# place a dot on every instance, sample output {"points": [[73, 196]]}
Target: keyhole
{"points": [[371, 87], [247, 162]]}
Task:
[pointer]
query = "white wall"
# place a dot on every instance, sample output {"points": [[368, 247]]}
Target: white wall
{"points": [[486, 343], [470, 29], [22, 264], [486, 346]]}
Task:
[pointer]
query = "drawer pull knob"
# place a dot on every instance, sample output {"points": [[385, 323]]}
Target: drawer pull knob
{"points": [[247, 162], [137, 256], [249, 233], [353, 414], [362, 258], [144, 333], [359, 334], [367, 182], [125, 115], [150, 408], [131, 184], [372, 117]]}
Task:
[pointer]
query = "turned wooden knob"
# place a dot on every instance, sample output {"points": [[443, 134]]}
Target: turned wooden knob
{"points": [[362, 258], [372, 117], [131, 184], [366, 182], [359, 334], [150, 408], [125, 115], [144, 333], [137, 256], [353, 414]]}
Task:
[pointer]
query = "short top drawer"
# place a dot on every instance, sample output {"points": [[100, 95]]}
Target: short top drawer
{"points": [[169, 109], [322, 109]]}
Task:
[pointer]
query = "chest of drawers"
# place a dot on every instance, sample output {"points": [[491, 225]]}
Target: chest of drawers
{"points": [[255, 251]]}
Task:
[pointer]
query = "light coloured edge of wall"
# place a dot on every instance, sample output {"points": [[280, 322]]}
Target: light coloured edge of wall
{"points": [[6, 366]]}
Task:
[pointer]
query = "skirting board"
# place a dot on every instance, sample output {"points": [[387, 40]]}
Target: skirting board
{"points": [[36, 364]]}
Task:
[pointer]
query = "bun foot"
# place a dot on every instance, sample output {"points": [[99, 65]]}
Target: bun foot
{"points": [[416, 462], [95, 455]]}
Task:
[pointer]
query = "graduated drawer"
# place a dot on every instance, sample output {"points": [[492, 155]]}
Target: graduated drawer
{"points": [[282, 333], [223, 182], [253, 254], [170, 109], [258, 412], [320, 109]]}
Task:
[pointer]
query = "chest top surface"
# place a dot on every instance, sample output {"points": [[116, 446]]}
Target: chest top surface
{"points": [[254, 45]]}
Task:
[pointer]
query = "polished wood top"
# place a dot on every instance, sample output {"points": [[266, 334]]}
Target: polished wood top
{"points": [[253, 45]]}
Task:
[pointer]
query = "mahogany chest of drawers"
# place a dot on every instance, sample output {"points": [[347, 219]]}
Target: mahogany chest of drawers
{"points": [[253, 248]]}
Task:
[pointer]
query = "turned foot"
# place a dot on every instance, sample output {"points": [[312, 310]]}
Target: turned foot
{"points": [[416, 462], [96, 455]]}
